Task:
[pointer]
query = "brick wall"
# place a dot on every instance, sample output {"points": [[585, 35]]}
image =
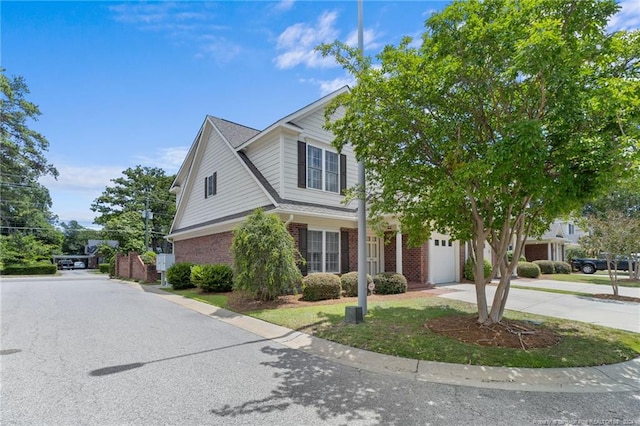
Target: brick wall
{"points": [[415, 265], [131, 266], [536, 252], [353, 248], [209, 249]]}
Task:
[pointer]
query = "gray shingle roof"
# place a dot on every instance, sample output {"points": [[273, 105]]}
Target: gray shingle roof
{"points": [[235, 133]]}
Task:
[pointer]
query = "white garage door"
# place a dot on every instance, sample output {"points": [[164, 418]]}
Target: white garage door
{"points": [[442, 259]]}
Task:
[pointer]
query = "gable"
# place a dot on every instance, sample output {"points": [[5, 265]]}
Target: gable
{"points": [[236, 189]]}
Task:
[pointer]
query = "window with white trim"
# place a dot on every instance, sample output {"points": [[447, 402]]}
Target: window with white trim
{"points": [[323, 251], [323, 169]]}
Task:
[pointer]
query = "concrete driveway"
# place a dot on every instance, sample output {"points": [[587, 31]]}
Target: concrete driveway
{"points": [[608, 313]]}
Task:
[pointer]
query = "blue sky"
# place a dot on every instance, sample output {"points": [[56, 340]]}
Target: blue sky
{"points": [[127, 83]]}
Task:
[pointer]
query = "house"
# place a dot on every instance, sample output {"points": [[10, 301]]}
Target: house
{"points": [[552, 245], [292, 170]]}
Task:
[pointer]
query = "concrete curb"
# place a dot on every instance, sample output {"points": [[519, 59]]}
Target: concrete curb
{"points": [[622, 377]]}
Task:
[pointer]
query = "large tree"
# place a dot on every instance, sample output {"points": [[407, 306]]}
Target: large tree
{"points": [[24, 203], [509, 114], [140, 188], [76, 237]]}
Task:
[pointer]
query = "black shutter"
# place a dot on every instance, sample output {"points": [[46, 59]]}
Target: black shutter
{"points": [[343, 173], [302, 248], [215, 183], [205, 187], [302, 164], [344, 252]]}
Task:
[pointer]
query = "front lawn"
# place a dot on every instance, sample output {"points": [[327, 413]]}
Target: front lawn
{"points": [[623, 281], [397, 327]]}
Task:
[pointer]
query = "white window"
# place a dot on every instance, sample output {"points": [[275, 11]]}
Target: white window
{"points": [[323, 169], [211, 185], [323, 251]]}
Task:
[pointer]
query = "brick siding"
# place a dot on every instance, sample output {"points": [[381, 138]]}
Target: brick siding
{"points": [[209, 249], [536, 252]]}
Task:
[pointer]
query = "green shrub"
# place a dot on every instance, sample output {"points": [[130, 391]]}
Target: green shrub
{"points": [[32, 269], [528, 270], [264, 257], [546, 266], [103, 268], [470, 265], [390, 283], [112, 267], [349, 282], [179, 275], [510, 256], [321, 286], [576, 253], [212, 278], [149, 258], [561, 267]]}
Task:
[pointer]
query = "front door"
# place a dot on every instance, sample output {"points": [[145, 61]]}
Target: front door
{"points": [[373, 255]]}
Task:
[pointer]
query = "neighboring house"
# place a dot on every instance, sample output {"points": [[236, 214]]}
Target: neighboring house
{"points": [[552, 245], [292, 170]]}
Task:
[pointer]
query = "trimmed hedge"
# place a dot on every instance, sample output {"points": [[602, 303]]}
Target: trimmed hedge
{"points": [[179, 275], [149, 258], [212, 278], [103, 268], [528, 270], [561, 267], [36, 269], [469, 266], [349, 282], [390, 283], [321, 286], [546, 266]]}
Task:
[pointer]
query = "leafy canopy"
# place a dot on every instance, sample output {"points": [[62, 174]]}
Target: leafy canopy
{"points": [[507, 115]]}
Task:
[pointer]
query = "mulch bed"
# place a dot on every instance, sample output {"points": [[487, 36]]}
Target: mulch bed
{"points": [[506, 334], [619, 298]]}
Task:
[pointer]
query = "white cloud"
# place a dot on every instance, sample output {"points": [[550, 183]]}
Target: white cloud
{"points": [[168, 159], [284, 5], [628, 18], [86, 179], [328, 86], [298, 43], [368, 39], [186, 23]]}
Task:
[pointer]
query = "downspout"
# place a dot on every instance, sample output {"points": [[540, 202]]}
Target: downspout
{"points": [[289, 220]]}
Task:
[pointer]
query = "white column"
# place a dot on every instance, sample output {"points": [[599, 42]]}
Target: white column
{"points": [[399, 251]]}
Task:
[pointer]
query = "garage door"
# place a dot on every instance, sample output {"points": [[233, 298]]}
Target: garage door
{"points": [[442, 259]]}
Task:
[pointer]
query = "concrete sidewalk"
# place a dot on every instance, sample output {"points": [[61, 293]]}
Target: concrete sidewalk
{"points": [[608, 313], [609, 378]]}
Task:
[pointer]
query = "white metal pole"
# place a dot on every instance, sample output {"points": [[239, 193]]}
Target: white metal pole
{"points": [[362, 213]]}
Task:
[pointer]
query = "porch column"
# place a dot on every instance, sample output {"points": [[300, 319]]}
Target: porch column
{"points": [[549, 253], [399, 251]]}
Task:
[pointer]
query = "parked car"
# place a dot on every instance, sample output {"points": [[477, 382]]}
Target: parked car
{"points": [[590, 266], [78, 265], [65, 264]]}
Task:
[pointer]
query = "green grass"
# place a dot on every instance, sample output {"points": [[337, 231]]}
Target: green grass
{"points": [[397, 327], [219, 300], [552, 290], [591, 279]]}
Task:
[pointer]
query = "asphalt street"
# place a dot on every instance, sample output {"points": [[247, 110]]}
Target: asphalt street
{"points": [[82, 349]]}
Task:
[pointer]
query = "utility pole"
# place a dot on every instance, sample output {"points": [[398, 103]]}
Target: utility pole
{"points": [[362, 213], [147, 215], [355, 314]]}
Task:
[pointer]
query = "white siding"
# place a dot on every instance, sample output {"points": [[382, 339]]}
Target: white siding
{"points": [[316, 136], [237, 191], [265, 155]]}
